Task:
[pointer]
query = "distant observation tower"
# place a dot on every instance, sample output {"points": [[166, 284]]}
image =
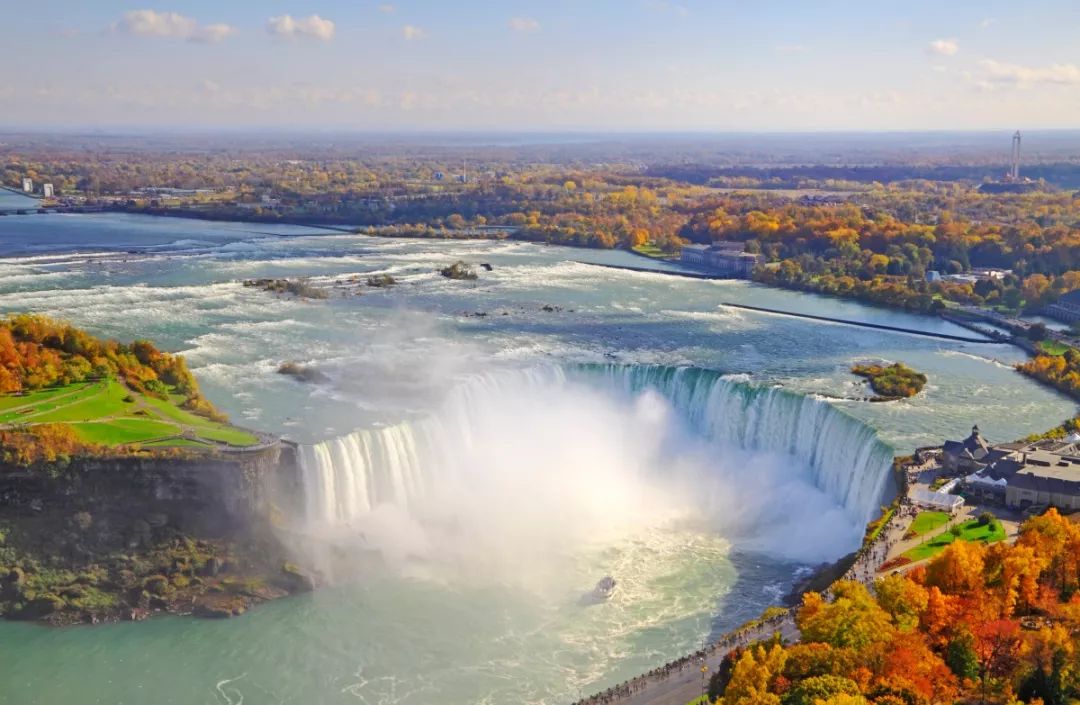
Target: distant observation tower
{"points": [[1010, 181], [1014, 167]]}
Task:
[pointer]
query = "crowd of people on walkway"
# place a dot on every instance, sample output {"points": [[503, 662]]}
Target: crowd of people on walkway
{"points": [[738, 639]]}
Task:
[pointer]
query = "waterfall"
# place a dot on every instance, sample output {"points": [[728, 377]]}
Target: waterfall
{"points": [[347, 477]]}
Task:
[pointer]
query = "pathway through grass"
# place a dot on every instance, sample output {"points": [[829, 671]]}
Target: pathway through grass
{"points": [[970, 530], [108, 413]]}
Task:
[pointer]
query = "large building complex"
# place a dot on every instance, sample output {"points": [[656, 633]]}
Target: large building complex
{"points": [[725, 258], [1021, 475], [1066, 309]]}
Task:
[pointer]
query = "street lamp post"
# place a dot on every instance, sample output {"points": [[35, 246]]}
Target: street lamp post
{"points": [[704, 670]]}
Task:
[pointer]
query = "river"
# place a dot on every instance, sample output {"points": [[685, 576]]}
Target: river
{"points": [[487, 450]]}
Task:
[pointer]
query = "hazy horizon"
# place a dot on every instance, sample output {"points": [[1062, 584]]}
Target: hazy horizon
{"points": [[643, 66]]}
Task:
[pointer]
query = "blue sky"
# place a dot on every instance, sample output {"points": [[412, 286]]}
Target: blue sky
{"points": [[624, 65]]}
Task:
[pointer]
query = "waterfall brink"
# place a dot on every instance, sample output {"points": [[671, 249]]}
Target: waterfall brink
{"points": [[847, 459], [348, 477]]}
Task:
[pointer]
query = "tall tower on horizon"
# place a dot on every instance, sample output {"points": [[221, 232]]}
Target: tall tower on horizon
{"points": [[1014, 169]]}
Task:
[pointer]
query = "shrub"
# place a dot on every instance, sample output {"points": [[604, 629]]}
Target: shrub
{"points": [[156, 585], [458, 270]]}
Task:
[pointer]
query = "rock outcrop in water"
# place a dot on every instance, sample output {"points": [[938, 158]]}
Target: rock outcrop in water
{"points": [[304, 373], [122, 538], [300, 288], [459, 270]]}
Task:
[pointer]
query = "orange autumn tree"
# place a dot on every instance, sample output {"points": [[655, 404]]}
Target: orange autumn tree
{"points": [[994, 624]]}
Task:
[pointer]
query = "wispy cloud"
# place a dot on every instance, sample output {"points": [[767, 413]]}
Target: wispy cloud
{"points": [[213, 33], [150, 23], [987, 22], [312, 27], [523, 24], [999, 73], [944, 47], [412, 32], [387, 8]]}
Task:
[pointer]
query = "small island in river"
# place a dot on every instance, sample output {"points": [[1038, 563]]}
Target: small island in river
{"points": [[890, 382]]}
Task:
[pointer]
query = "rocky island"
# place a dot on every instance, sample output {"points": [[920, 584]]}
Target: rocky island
{"points": [[123, 491], [890, 382]]}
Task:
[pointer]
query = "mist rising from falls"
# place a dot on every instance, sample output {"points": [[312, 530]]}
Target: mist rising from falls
{"points": [[520, 464]]}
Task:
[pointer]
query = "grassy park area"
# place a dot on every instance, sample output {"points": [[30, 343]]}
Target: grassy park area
{"points": [[1052, 347], [107, 412], [926, 522], [651, 250], [971, 530]]}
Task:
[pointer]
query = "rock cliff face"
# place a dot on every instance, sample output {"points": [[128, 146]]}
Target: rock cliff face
{"points": [[225, 489], [122, 538]]}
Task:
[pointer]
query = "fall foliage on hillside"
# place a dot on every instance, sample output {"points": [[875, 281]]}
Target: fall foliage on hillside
{"points": [[993, 624], [37, 352]]}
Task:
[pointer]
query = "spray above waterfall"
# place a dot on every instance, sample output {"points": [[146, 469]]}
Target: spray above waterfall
{"points": [[520, 465]]}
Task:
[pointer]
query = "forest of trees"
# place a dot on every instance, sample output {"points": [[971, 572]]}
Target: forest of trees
{"points": [[37, 352], [990, 624], [875, 243]]}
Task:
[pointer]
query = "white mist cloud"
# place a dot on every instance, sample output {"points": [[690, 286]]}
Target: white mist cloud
{"points": [[387, 9], [523, 24], [997, 72], [311, 27], [150, 23], [944, 47], [412, 32]]}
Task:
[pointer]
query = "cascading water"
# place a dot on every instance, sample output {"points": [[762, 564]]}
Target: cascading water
{"points": [[350, 477], [847, 459]]}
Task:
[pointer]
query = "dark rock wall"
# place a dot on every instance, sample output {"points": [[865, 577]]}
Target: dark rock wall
{"points": [[218, 491]]}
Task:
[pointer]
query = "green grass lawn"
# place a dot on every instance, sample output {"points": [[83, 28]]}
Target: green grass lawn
{"points": [[926, 522], [13, 401], [970, 531], [16, 408], [1052, 347], [107, 412], [651, 250], [123, 431]]}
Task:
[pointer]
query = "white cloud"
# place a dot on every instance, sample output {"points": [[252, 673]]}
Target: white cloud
{"points": [[987, 22], [944, 47], [313, 27], [523, 24], [1017, 75], [213, 33], [411, 32], [150, 23], [387, 9]]}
